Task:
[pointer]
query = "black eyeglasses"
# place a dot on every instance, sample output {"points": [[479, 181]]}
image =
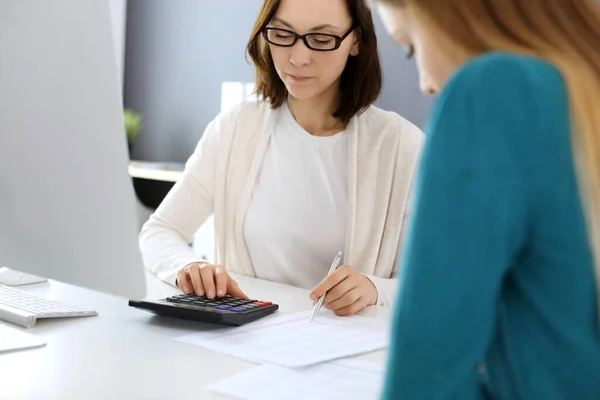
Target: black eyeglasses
{"points": [[314, 41]]}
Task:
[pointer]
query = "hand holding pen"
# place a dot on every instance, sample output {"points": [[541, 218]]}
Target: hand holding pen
{"points": [[344, 291]]}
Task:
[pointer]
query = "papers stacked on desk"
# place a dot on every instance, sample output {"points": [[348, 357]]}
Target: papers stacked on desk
{"points": [[293, 341], [303, 360], [342, 379]]}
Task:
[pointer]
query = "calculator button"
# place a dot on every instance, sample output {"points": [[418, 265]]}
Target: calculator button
{"points": [[199, 303], [222, 308], [237, 309], [262, 303]]}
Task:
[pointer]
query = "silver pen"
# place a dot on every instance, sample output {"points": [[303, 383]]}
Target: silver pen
{"points": [[319, 303]]}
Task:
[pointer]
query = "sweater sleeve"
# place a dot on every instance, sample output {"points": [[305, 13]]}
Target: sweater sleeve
{"points": [[387, 288], [165, 237], [467, 225]]}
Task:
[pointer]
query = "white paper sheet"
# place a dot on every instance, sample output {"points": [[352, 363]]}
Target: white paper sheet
{"points": [[293, 341], [12, 339], [342, 379]]}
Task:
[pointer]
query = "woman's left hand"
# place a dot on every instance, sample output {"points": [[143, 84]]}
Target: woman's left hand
{"points": [[347, 291]]}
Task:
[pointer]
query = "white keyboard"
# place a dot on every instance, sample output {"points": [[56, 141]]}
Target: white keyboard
{"points": [[24, 309]]}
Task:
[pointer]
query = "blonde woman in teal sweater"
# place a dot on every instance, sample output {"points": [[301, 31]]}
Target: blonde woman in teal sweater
{"points": [[499, 287]]}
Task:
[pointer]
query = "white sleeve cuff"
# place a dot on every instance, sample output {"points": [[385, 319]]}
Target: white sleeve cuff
{"points": [[386, 289]]}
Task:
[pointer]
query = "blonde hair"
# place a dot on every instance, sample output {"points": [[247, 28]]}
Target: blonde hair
{"points": [[565, 33]]}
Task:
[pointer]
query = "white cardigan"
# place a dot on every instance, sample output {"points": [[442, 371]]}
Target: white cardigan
{"points": [[383, 150]]}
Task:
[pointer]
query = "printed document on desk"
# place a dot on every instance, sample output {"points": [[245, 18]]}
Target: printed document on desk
{"points": [[341, 379], [293, 341], [12, 339]]}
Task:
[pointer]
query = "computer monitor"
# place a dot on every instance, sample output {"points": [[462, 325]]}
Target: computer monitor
{"points": [[67, 205]]}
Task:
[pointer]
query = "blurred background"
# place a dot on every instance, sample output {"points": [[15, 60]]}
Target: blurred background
{"points": [[183, 61]]}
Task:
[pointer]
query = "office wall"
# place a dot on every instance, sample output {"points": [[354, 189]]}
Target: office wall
{"points": [[180, 51]]}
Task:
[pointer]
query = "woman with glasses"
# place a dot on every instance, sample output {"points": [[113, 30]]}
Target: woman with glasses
{"points": [[499, 292], [311, 169]]}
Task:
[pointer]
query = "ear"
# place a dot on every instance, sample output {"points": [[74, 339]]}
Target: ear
{"points": [[354, 50]]}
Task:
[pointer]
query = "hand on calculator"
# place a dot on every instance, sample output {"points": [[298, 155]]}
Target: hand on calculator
{"points": [[208, 280]]}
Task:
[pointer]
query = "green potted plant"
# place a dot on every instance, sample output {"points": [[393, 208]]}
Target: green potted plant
{"points": [[133, 126]]}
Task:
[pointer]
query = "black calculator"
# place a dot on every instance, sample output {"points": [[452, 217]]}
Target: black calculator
{"points": [[227, 310]]}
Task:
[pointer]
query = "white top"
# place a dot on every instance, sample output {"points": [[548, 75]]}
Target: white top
{"points": [[296, 219], [219, 178]]}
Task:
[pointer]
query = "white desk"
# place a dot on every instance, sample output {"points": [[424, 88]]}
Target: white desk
{"points": [[125, 353]]}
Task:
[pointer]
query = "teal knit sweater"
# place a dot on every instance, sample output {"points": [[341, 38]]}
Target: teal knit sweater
{"points": [[497, 297]]}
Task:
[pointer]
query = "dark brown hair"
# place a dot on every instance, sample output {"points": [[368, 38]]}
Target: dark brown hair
{"points": [[361, 80]]}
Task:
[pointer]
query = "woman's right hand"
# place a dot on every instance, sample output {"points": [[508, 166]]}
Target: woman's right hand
{"points": [[207, 279]]}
